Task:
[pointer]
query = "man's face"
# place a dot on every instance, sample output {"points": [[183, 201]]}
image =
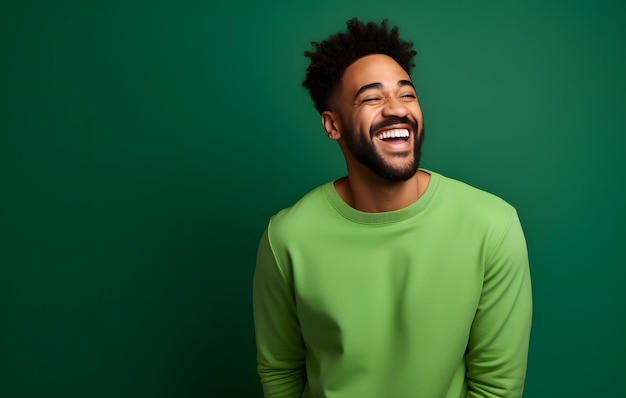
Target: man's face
{"points": [[381, 123]]}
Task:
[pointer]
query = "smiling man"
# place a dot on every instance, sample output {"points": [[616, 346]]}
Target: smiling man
{"points": [[393, 281]]}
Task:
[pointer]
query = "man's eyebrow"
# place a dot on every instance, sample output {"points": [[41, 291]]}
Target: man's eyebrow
{"points": [[370, 86], [403, 83], [378, 86]]}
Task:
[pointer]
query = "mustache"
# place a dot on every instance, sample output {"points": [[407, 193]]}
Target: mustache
{"points": [[391, 121]]}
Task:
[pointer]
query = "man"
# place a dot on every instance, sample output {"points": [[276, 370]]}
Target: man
{"points": [[394, 281]]}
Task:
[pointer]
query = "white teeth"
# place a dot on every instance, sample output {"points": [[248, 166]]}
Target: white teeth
{"points": [[396, 133]]}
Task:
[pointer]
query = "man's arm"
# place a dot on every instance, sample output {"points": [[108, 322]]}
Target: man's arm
{"points": [[498, 344], [281, 350]]}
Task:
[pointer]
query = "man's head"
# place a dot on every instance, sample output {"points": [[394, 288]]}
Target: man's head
{"points": [[332, 56], [359, 82]]}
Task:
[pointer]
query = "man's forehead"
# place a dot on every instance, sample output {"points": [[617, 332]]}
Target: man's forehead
{"points": [[375, 68]]}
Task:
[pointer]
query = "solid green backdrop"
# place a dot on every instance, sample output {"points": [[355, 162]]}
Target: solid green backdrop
{"points": [[145, 144]]}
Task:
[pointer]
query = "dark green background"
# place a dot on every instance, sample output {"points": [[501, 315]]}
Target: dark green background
{"points": [[144, 145]]}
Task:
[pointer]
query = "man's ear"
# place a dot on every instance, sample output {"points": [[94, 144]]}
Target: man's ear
{"points": [[331, 125]]}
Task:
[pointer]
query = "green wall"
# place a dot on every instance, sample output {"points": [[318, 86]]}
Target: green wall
{"points": [[144, 145]]}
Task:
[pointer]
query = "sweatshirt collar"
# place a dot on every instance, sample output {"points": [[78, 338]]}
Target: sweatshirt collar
{"points": [[383, 217]]}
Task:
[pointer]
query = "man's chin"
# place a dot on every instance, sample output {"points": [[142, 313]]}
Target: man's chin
{"points": [[396, 174]]}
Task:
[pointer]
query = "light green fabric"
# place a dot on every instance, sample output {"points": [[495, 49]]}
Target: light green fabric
{"points": [[433, 300]]}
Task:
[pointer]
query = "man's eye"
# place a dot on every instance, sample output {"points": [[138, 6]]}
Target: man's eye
{"points": [[372, 99], [409, 96]]}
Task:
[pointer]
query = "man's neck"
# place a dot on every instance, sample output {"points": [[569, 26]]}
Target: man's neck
{"points": [[372, 194]]}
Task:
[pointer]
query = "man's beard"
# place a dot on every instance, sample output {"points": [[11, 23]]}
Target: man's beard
{"points": [[364, 151]]}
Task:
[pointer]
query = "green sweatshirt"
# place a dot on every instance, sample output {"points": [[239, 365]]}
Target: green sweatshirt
{"points": [[432, 301]]}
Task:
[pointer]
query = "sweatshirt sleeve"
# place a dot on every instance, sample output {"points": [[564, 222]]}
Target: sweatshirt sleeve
{"points": [[498, 344], [281, 351]]}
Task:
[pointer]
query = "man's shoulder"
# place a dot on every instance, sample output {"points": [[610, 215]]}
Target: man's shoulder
{"points": [[470, 199], [305, 211]]}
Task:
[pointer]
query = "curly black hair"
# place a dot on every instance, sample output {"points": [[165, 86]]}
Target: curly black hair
{"points": [[332, 56]]}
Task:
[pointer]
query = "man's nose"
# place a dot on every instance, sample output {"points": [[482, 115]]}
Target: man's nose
{"points": [[395, 107]]}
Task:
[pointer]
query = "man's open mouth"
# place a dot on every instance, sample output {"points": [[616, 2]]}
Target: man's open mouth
{"points": [[395, 135]]}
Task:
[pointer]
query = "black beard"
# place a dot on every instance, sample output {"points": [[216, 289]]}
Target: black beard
{"points": [[364, 151]]}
